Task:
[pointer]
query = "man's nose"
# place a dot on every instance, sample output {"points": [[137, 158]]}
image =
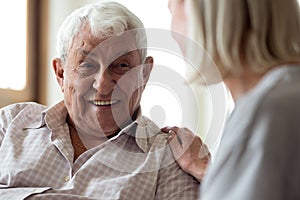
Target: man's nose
{"points": [[104, 82]]}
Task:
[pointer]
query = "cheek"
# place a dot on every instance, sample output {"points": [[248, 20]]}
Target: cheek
{"points": [[131, 88], [68, 92], [135, 99], [179, 27], [77, 84], [69, 85], [75, 89], [82, 86], [130, 82], [179, 19]]}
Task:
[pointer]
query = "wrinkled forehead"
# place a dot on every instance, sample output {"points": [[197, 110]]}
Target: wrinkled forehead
{"points": [[117, 45], [110, 47]]}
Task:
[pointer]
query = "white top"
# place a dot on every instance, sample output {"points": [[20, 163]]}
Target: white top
{"points": [[36, 160], [259, 155]]}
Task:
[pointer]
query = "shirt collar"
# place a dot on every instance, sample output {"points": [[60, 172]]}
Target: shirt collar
{"points": [[56, 115], [53, 117], [143, 129]]}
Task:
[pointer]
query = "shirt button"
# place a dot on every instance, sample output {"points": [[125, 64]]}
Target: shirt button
{"points": [[67, 178]]}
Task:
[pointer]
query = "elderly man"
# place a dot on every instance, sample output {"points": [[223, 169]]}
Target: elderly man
{"points": [[95, 144]]}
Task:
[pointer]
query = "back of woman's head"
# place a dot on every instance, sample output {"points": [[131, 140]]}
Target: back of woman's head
{"points": [[247, 33], [105, 19]]}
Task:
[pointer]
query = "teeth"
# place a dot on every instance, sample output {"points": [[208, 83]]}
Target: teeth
{"points": [[105, 103]]}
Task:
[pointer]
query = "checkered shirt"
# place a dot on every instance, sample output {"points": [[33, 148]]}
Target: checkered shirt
{"points": [[37, 160]]}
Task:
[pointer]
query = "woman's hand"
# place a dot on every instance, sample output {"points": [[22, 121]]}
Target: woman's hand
{"points": [[189, 151]]}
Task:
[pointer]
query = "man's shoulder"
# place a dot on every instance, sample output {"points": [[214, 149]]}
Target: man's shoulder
{"points": [[149, 136], [23, 105], [11, 111], [152, 129]]}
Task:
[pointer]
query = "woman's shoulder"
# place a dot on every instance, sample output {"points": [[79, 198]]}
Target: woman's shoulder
{"points": [[282, 99]]}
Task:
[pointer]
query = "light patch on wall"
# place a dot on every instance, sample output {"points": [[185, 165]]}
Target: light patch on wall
{"points": [[13, 44]]}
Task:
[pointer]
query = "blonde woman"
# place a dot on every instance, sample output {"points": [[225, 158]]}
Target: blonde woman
{"points": [[255, 45]]}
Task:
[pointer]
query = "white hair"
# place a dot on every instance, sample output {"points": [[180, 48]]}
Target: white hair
{"points": [[258, 34], [105, 19]]}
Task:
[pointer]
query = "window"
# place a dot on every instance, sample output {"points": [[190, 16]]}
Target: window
{"points": [[13, 42], [16, 80]]}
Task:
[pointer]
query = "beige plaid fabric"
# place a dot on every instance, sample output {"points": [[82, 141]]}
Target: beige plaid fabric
{"points": [[36, 160]]}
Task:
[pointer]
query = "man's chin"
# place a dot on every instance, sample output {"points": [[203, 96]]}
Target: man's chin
{"points": [[109, 129]]}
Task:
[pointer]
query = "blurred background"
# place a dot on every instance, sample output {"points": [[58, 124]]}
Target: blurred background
{"points": [[28, 40]]}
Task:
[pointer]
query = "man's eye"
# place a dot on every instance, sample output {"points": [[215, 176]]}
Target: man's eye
{"points": [[123, 65], [87, 65], [88, 68], [120, 68]]}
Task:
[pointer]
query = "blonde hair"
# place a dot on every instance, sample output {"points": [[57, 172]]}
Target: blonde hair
{"points": [[258, 34]]}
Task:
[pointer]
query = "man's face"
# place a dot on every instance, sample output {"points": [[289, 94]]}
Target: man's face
{"points": [[103, 81]]}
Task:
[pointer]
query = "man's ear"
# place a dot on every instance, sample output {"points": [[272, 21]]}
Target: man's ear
{"points": [[59, 72], [148, 65]]}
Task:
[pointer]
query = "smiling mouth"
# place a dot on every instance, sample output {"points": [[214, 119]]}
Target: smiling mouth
{"points": [[105, 103]]}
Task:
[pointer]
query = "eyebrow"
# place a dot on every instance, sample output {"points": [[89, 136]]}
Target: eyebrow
{"points": [[92, 55], [84, 52], [119, 54], [88, 54]]}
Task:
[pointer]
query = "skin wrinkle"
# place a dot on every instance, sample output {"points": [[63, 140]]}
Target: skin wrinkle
{"points": [[86, 84]]}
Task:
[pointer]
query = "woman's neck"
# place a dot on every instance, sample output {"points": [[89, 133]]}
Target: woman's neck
{"points": [[240, 84]]}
